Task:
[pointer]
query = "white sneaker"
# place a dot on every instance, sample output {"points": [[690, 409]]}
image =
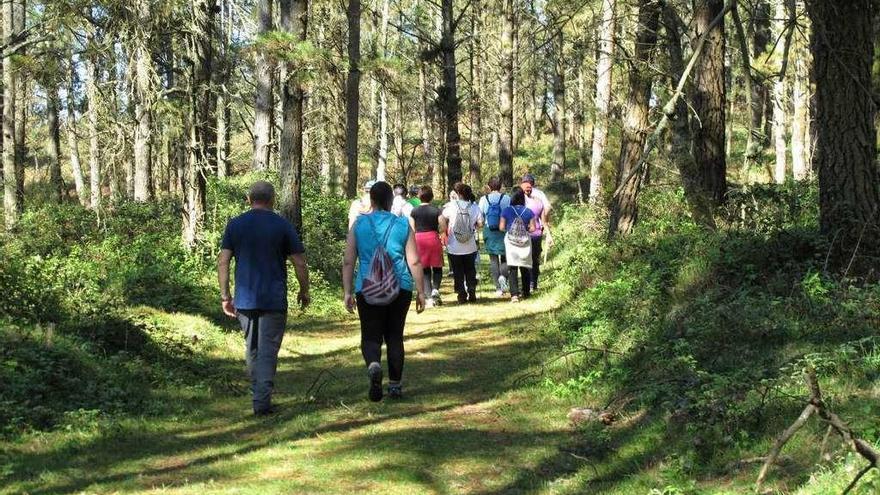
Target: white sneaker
{"points": [[499, 293], [502, 284]]}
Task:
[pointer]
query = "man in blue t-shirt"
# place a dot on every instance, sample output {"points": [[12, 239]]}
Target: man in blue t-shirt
{"points": [[261, 242]]}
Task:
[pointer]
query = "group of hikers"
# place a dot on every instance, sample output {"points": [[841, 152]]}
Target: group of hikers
{"points": [[397, 245]]}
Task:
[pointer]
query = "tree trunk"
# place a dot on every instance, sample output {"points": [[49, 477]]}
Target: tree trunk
{"points": [[800, 106], [202, 105], [604, 66], [624, 210], [425, 117], [708, 102], [11, 209], [73, 140], [352, 96], [382, 135], [92, 74], [293, 22], [842, 49], [557, 167], [476, 73], [224, 104], [449, 95], [53, 143], [505, 103], [143, 97], [22, 104], [757, 138], [585, 90], [264, 101], [780, 97]]}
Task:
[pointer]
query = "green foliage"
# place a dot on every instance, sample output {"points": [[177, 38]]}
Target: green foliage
{"points": [[712, 329]]}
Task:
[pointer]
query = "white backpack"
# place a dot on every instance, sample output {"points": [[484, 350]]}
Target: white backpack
{"points": [[518, 232], [463, 229], [381, 285]]}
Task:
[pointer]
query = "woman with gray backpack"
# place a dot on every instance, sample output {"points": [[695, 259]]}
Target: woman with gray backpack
{"points": [[518, 222], [459, 222], [389, 272]]}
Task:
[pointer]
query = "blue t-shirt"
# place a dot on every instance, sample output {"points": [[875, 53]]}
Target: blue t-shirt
{"points": [[261, 241], [511, 213], [368, 231]]}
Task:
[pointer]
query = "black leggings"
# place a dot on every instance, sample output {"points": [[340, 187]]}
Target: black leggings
{"points": [[384, 323], [433, 278], [464, 273], [536, 260]]}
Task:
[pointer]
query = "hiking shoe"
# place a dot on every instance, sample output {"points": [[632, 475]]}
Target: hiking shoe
{"points": [[499, 293], [462, 298], [514, 299], [374, 372], [472, 297], [435, 296], [503, 286], [395, 391], [269, 411]]}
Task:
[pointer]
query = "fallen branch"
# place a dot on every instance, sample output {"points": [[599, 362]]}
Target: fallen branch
{"points": [[817, 406]]}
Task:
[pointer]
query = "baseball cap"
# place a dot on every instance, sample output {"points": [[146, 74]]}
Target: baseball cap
{"points": [[528, 178]]}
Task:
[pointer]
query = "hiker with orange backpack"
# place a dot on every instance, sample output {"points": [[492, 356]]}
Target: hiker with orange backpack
{"points": [[389, 272]]}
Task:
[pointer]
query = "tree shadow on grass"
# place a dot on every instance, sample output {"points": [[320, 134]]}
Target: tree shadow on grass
{"points": [[450, 374]]}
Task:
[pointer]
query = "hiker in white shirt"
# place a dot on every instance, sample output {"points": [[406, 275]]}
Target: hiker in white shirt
{"points": [[459, 222]]}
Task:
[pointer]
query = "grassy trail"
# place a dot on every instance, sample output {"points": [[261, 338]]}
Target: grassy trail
{"points": [[463, 426]]}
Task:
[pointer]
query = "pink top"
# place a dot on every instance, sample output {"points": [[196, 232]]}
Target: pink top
{"points": [[537, 207]]}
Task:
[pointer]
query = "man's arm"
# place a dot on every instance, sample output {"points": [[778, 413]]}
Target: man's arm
{"points": [[223, 261], [301, 267], [348, 271]]}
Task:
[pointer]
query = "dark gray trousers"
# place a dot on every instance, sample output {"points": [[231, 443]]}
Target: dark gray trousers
{"points": [[263, 331]]}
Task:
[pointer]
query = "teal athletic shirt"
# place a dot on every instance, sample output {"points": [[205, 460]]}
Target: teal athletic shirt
{"points": [[369, 235]]}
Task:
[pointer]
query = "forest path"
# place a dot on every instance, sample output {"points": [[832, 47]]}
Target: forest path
{"points": [[465, 425]]}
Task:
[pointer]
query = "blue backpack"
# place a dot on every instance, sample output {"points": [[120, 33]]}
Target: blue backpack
{"points": [[493, 213]]}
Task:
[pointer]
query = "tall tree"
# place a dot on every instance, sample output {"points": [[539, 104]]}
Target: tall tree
{"points": [[293, 21], [624, 210], [22, 105], [73, 138], [557, 166], [382, 134], [224, 105], [11, 209], [780, 90], [202, 105], [800, 105], [53, 142], [352, 96], [263, 101], [143, 97], [448, 92], [92, 74], [757, 139], [604, 67], [709, 103], [476, 103], [505, 103], [849, 186]]}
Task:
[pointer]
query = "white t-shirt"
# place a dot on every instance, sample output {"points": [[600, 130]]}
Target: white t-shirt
{"points": [[401, 207], [450, 212], [539, 195], [358, 207]]}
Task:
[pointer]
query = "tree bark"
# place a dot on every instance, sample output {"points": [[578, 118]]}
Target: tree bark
{"points": [[476, 110], [382, 92], [264, 101], [53, 143], [624, 210], [73, 140], [448, 94], [780, 96], [202, 103], [842, 49], [22, 95], [757, 138], [91, 71], [557, 167], [505, 103], [708, 102], [800, 107], [425, 117], [293, 21], [604, 66], [352, 96], [143, 97], [11, 211]]}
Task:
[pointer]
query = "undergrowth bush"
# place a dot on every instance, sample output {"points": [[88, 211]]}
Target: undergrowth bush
{"points": [[712, 329], [96, 311]]}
